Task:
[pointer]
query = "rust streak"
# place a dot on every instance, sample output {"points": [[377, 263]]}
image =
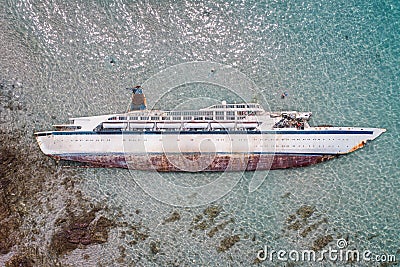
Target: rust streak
{"points": [[195, 163], [360, 145]]}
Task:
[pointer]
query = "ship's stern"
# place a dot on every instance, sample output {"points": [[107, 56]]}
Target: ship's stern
{"points": [[43, 139]]}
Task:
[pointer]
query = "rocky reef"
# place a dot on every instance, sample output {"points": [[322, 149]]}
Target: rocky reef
{"points": [[28, 183], [80, 230]]}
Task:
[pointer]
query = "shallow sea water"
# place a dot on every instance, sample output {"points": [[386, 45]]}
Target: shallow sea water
{"points": [[338, 59]]}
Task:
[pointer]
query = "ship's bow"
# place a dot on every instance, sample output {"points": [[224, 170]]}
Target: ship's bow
{"points": [[377, 132]]}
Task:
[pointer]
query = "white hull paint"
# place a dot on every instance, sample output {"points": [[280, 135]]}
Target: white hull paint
{"points": [[330, 141]]}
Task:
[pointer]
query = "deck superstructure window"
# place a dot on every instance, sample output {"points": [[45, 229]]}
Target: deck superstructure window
{"points": [[230, 115]]}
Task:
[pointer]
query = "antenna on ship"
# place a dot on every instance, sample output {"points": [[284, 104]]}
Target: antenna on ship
{"points": [[138, 101]]}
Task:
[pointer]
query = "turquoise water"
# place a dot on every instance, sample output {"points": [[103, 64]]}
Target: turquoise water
{"points": [[338, 59]]}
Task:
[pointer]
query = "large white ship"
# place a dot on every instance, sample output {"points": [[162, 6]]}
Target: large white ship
{"points": [[224, 137]]}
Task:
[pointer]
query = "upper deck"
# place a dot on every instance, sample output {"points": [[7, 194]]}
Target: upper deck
{"points": [[212, 113], [229, 116]]}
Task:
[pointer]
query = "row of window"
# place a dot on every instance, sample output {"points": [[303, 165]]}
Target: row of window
{"points": [[192, 113], [88, 140], [236, 106], [219, 140], [313, 139], [305, 146], [176, 118]]}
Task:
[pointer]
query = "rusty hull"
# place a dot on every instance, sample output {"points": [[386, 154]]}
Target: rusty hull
{"points": [[198, 162]]}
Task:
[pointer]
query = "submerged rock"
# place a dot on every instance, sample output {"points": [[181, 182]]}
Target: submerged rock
{"points": [[212, 212], [295, 226], [81, 230], [138, 233], [321, 242], [312, 227], [305, 211], [31, 256], [201, 223], [175, 216], [154, 247], [304, 222], [219, 227], [227, 243], [20, 261], [18, 167]]}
